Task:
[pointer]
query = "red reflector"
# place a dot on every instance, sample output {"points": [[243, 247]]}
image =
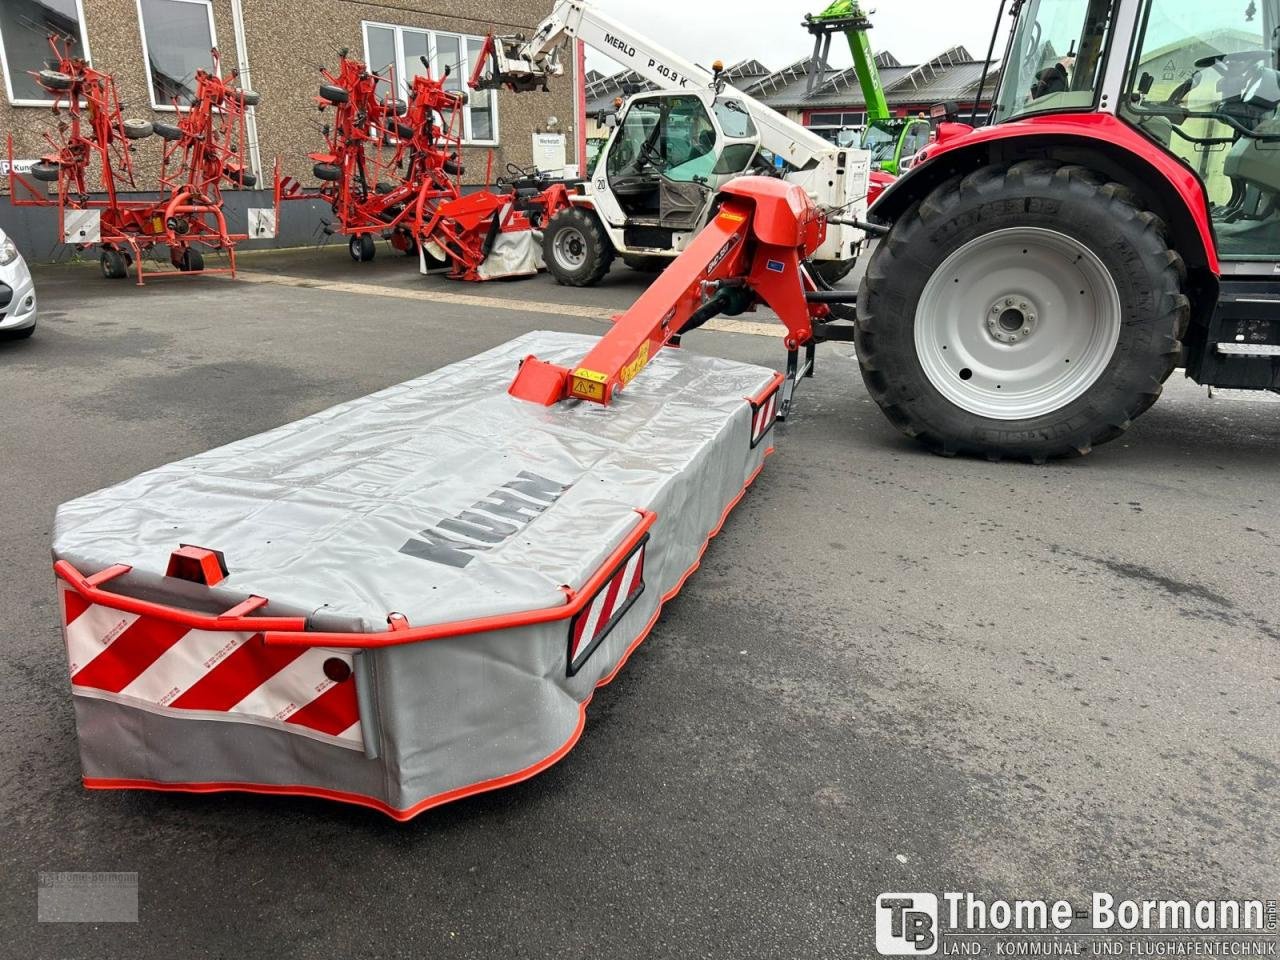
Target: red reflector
{"points": [[197, 564], [337, 669]]}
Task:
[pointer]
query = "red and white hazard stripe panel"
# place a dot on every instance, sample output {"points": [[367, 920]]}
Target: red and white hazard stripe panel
{"points": [[594, 621], [764, 411], [165, 667]]}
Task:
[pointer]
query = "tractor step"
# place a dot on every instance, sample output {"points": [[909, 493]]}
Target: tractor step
{"points": [[404, 599]]}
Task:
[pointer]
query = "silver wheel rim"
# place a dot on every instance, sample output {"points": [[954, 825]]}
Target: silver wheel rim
{"points": [[570, 248], [1017, 323]]}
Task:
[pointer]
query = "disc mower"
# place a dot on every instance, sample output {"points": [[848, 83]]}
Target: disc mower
{"points": [[93, 147]]}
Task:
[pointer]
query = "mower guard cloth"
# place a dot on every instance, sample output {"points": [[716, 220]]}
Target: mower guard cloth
{"points": [[415, 593]]}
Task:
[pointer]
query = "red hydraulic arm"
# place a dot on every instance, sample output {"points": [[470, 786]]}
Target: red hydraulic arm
{"points": [[751, 251]]}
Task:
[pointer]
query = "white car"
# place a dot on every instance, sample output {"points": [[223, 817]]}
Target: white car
{"points": [[17, 293]]}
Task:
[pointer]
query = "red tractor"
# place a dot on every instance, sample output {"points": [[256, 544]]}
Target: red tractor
{"points": [[1039, 279]]}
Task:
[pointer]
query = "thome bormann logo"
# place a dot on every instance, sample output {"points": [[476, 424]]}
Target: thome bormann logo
{"points": [[910, 924], [907, 924]]}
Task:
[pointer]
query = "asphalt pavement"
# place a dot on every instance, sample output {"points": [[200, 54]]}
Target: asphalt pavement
{"points": [[892, 672]]}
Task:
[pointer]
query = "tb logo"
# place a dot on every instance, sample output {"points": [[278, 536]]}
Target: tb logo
{"points": [[907, 924]]}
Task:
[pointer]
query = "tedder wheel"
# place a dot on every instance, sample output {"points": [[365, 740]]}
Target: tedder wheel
{"points": [[576, 249], [166, 131], [250, 98], [246, 179], [189, 260], [1027, 311], [113, 265], [397, 108], [138, 129], [45, 172], [453, 166], [327, 171], [334, 94], [54, 80], [362, 247]]}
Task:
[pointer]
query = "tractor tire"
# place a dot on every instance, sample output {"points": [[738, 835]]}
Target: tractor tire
{"points": [[397, 108], [334, 94], [576, 249], [327, 171], [45, 172], [250, 98], [54, 80], [645, 263], [831, 272], [166, 131], [1027, 311], [138, 129], [114, 266], [362, 248]]}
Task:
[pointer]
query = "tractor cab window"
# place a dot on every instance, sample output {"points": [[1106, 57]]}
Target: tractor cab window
{"points": [[1055, 57], [1204, 85]]}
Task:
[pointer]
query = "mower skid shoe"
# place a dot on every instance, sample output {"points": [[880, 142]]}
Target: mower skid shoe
{"points": [[796, 371], [405, 599]]}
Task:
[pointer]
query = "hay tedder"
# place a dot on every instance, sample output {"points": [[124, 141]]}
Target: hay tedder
{"points": [[392, 168], [92, 150]]}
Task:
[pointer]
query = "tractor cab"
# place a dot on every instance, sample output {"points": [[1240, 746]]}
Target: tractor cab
{"points": [[1201, 83], [670, 153]]}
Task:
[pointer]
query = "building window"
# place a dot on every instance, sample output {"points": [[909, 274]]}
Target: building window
{"points": [[25, 27], [402, 53], [177, 40]]}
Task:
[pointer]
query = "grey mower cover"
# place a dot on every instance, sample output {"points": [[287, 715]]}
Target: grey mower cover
{"points": [[417, 592]]}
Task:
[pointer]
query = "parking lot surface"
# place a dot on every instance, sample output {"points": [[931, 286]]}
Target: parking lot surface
{"points": [[892, 672]]}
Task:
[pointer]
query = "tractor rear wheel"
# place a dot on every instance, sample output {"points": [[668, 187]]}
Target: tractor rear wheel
{"points": [[1028, 311], [362, 248], [576, 249]]}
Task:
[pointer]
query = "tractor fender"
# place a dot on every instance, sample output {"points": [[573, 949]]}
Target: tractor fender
{"points": [[1099, 141]]}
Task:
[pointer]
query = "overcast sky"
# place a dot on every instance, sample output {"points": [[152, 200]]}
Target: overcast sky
{"points": [[770, 30]]}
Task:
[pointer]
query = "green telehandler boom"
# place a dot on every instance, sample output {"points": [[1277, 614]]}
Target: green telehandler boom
{"points": [[888, 138]]}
